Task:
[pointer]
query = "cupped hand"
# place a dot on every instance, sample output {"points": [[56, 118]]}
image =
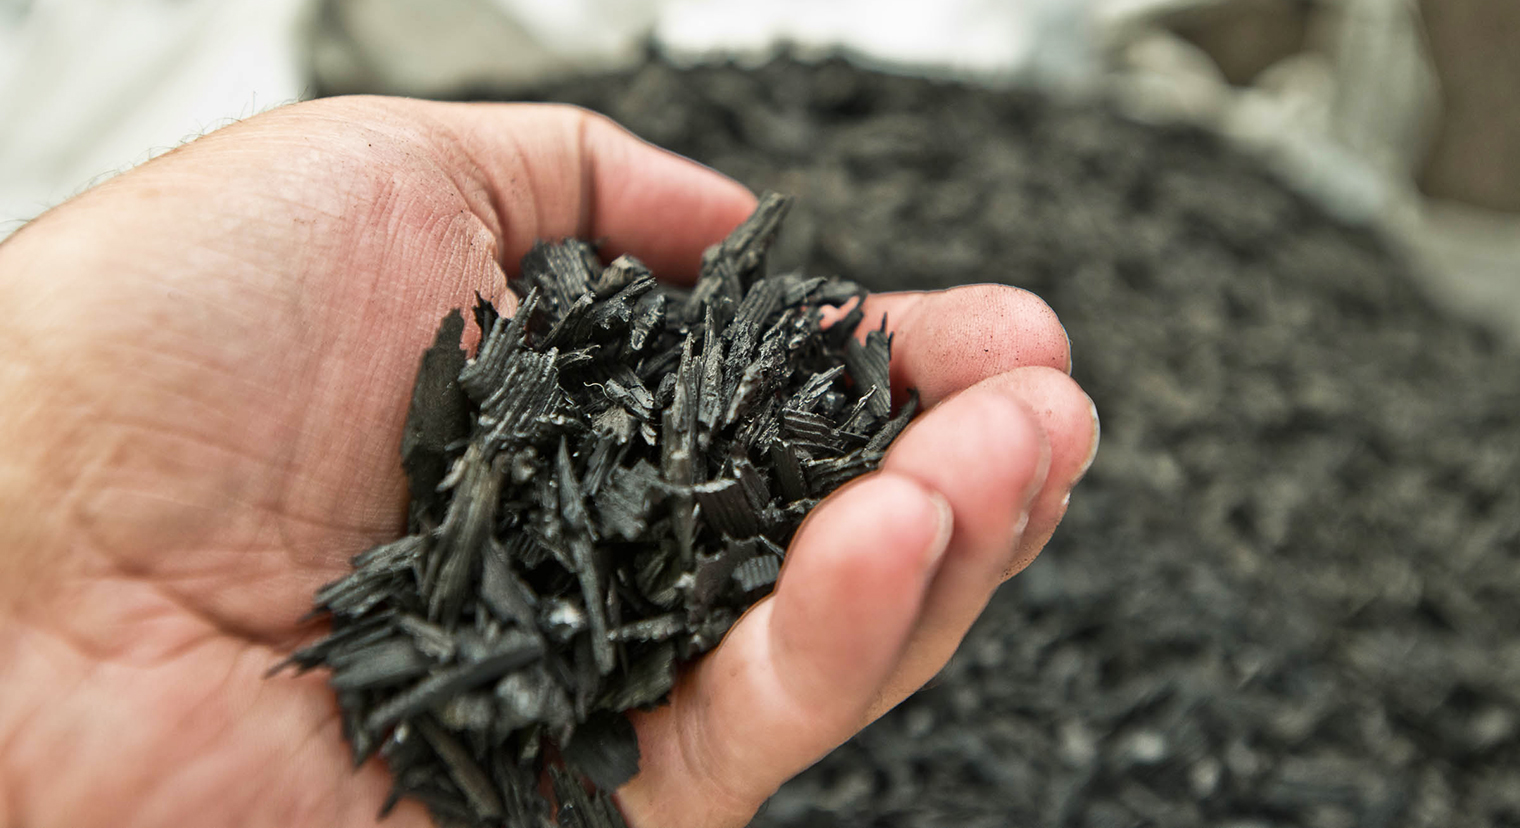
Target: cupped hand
{"points": [[205, 365]]}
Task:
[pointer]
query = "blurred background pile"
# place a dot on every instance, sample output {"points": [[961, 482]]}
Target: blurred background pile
{"points": [[1284, 236], [1398, 113]]}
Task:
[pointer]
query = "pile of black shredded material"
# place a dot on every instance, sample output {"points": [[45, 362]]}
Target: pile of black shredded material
{"points": [[1288, 593], [597, 496]]}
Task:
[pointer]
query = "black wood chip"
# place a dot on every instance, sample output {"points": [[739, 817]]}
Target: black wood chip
{"points": [[605, 749], [439, 414], [597, 496]]}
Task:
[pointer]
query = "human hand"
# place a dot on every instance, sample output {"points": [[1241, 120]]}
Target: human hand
{"points": [[206, 365]]}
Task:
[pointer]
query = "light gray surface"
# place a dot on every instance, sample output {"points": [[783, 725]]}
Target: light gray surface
{"points": [[89, 88]]}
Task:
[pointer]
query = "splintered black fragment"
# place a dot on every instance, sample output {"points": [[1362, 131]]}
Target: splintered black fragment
{"points": [[530, 697], [502, 590], [647, 316], [467, 775], [605, 749], [472, 712], [579, 808], [826, 475], [455, 679], [893, 427], [394, 661], [428, 638], [713, 571], [746, 246], [598, 494], [788, 470], [868, 364], [726, 508], [624, 504], [649, 679], [759, 572], [657, 628], [439, 415], [377, 574]]}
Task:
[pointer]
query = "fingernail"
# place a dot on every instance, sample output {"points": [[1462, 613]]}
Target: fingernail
{"points": [[1092, 452], [1036, 487], [943, 529], [1068, 349]]}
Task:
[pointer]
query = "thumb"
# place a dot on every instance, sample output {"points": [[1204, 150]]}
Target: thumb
{"points": [[551, 171], [797, 675]]}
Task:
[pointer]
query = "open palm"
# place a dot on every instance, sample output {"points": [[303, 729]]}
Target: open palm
{"points": [[205, 366]]}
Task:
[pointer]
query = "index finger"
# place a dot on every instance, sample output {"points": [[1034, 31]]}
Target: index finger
{"points": [[948, 340]]}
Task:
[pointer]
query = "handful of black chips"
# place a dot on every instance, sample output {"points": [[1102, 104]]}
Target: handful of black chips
{"points": [[596, 497]]}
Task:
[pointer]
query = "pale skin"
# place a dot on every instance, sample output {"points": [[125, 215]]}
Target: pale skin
{"points": [[205, 365]]}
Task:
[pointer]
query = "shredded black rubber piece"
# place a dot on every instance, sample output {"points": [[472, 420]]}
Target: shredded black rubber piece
{"points": [[598, 494]]}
